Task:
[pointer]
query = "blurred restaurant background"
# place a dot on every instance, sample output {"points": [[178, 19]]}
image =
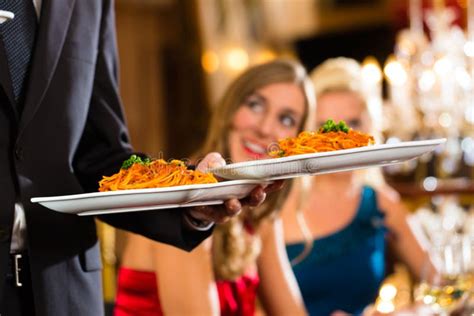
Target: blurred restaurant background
{"points": [[177, 57]]}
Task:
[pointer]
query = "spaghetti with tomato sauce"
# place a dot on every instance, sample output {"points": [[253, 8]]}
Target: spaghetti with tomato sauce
{"points": [[329, 138], [142, 174]]}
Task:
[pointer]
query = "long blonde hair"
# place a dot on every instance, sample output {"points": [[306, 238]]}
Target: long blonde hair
{"points": [[234, 249], [335, 75]]}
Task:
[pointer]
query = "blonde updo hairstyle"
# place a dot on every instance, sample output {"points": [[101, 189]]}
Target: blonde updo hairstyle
{"points": [[343, 74], [234, 247], [337, 75]]}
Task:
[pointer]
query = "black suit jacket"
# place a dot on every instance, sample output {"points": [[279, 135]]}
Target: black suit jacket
{"points": [[71, 132]]}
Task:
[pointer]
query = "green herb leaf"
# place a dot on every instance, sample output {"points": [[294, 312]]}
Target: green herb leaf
{"points": [[135, 159], [331, 126]]}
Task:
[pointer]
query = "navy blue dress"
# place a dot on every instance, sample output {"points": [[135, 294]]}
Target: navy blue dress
{"points": [[344, 270]]}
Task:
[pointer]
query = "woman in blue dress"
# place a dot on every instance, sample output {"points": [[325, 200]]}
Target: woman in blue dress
{"points": [[337, 226]]}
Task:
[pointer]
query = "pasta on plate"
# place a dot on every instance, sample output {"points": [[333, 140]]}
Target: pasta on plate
{"points": [[142, 174], [330, 137]]}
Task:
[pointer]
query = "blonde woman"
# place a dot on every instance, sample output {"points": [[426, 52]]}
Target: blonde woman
{"points": [[221, 277], [336, 226]]}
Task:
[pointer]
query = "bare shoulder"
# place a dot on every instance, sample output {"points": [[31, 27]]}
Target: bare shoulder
{"points": [[166, 252], [137, 253], [388, 199], [289, 209], [267, 226]]}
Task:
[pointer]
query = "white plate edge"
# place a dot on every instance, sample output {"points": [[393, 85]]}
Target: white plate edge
{"points": [[144, 209], [81, 196], [255, 163]]}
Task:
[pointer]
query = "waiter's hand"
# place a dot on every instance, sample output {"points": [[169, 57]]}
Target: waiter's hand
{"points": [[204, 217]]}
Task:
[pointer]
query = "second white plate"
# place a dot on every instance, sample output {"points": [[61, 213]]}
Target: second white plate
{"points": [[327, 162]]}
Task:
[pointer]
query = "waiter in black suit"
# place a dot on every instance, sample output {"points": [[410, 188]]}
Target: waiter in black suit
{"points": [[61, 129]]}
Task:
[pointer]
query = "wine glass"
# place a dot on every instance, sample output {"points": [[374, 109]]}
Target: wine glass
{"points": [[443, 286]]}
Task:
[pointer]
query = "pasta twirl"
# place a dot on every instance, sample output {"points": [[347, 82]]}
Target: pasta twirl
{"points": [[329, 138], [154, 174]]}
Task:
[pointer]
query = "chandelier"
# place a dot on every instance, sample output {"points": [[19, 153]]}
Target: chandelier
{"points": [[430, 81]]}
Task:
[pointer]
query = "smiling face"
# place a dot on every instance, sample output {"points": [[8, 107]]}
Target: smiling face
{"points": [[343, 105], [270, 113]]}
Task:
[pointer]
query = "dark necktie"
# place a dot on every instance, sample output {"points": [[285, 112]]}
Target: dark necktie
{"points": [[18, 37]]}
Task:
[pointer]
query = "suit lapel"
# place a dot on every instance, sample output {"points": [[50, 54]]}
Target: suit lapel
{"points": [[54, 23], [5, 80]]}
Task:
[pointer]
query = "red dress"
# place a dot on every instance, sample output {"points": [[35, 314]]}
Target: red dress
{"points": [[137, 295], [237, 298]]}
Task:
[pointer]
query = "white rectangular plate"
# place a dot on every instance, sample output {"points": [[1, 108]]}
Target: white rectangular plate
{"points": [[327, 162], [148, 199]]}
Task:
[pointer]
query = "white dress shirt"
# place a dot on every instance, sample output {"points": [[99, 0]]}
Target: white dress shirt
{"points": [[19, 221]]}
